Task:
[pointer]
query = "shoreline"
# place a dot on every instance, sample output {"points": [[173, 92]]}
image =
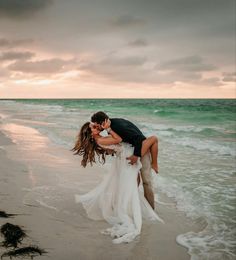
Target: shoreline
{"points": [[68, 231]]}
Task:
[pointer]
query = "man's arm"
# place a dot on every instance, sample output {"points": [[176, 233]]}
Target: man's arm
{"points": [[138, 141], [133, 159], [137, 149]]}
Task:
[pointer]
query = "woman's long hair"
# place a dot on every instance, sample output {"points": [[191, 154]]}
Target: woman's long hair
{"points": [[88, 148]]}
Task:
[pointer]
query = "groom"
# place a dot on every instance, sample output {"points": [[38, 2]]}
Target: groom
{"points": [[129, 134]]}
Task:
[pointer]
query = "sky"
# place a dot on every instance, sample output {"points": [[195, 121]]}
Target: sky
{"points": [[117, 49]]}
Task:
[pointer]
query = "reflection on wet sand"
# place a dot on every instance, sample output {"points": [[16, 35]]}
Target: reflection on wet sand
{"points": [[36, 150], [34, 145]]}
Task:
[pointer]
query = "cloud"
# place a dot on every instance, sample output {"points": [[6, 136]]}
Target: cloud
{"points": [[189, 41], [4, 74], [16, 55], [140, 42], [139, 69], [7, 43], [124, 61], [214, 81], [54, 65], [229, 76], [22, 8], [189, 63], [189, 69], [112, 61], [190, 77], [117, 68], [125, 21]]}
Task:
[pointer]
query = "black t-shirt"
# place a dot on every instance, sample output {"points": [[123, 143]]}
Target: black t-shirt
{"points": [[129, 133]]}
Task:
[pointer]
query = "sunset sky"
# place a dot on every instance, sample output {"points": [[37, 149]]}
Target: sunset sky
{"points": [[117, 48]]}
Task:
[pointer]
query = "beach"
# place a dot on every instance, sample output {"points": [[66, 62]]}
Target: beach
{"points": [[39, 179], [65, 232]]}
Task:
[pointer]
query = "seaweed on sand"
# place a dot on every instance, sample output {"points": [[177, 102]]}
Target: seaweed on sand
{"points": [[13, 235], [24, 252], [3, 214]]}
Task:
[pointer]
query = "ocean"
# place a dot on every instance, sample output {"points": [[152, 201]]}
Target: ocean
{"points": [[197, 154]]}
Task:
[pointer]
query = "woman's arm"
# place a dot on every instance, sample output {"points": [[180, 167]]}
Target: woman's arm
{"points": [[113, 138]]}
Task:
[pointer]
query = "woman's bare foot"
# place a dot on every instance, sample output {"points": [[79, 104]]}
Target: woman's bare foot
{"points": [[155, 167]]}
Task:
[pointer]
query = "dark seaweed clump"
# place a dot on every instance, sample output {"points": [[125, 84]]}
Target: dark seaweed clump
{"points": [[3, 214], [24, 251], [13, 235]]}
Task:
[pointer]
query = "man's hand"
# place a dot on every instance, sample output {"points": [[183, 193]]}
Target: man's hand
{"points": [[133, 159], [106, 124]]}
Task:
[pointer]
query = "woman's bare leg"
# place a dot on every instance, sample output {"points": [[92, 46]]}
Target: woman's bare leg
{"points": [[151, 143]]}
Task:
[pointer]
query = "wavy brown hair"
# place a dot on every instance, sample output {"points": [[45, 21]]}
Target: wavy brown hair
{"points": [[87, 147]]}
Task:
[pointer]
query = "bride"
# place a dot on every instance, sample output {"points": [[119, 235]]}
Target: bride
{"points": [[118, 198]]}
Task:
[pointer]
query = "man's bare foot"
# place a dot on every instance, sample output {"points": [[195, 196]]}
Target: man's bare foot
{"points": [[155, 167]]}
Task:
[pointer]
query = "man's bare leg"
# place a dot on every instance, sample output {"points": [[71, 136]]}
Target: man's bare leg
{"points": [[147, 179]]}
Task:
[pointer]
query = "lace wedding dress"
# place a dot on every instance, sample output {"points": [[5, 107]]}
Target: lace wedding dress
{"points": [[118, 199]]}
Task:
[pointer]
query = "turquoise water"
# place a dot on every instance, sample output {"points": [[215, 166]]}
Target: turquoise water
{"points": [[213, 118], [205, 110], [197, 154]]}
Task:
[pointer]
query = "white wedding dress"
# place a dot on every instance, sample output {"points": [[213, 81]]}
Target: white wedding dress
{"points": [[118, 199]]}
